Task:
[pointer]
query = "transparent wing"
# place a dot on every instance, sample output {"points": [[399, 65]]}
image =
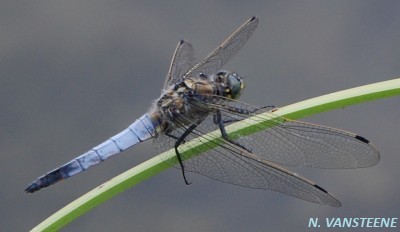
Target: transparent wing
{"points": [[182, 60], [299, 143], [278, 140], [231, 164], [222, 54]]}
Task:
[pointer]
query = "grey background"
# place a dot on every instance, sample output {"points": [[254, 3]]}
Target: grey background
{"points": [[74, 73]]}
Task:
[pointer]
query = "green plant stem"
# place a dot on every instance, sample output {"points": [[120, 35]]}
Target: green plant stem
{"points": [[155, 165]]}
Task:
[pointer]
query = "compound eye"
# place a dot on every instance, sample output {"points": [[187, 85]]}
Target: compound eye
{"points": [[234, 85]]}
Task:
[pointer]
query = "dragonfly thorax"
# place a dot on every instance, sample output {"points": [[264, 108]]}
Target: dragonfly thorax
{"points": [[186, 100]]}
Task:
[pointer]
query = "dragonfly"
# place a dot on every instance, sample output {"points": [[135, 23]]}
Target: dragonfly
{"points": [[199, 97]]}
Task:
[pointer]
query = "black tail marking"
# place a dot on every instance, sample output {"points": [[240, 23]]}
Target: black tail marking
{"points": [[362, 139]]}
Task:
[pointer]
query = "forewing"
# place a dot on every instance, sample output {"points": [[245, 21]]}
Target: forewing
{"points": [[182, 60], [222, 54], [299, 143], [291, 142]]}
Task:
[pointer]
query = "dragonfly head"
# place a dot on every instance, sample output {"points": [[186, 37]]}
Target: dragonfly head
{"points": [[230, 83]]}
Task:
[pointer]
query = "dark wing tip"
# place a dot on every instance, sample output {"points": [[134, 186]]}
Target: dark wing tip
{"points": [[320, 188], [181, 41], [332, 200], [362, 139], [254, 18]]}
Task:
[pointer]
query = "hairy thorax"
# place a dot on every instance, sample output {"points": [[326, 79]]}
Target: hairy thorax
{"points": [[183, 102]]}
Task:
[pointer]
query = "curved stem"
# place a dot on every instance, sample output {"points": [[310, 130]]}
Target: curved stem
{"points": [[156, 165]]}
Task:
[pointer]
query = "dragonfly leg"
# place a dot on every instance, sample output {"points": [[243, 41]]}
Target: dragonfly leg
{"points": [[236, 110], [174, 137], [242, 111], [218, 120], [246, 111], [265, 107], [178, 142], [225, 120]]}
